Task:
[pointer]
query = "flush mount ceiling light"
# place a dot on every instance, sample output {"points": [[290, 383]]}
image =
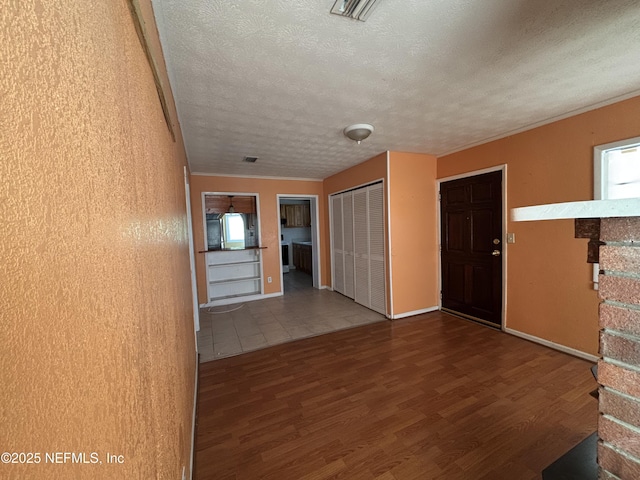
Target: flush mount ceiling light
{"points": [[358, 131], [356, 9]]}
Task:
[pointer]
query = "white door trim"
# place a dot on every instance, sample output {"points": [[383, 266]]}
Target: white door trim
{"points": [[192, 255], [315, 235]]}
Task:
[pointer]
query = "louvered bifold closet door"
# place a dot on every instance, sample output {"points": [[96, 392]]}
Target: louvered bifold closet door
{"points": [[376, 249], [349, 258], [338, 254], [361, 246]]}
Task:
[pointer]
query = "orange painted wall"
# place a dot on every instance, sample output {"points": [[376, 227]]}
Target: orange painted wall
{"points": [[414, 238], [548, 286], [269, 214], [97, 344], [366, 172]]}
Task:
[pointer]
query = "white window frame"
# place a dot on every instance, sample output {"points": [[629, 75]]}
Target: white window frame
{"points": [[226, 228], [600, 178], [600, 173]]}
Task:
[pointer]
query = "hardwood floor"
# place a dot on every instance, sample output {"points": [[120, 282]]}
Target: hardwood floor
{"points": [[429, 397]]}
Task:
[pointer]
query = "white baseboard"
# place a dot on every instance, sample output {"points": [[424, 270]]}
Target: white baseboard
{"points": [[555, 346], [231, 301], [415, 312], [193, 421], [325, 287]]}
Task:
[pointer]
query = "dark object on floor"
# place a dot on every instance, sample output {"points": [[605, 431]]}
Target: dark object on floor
{"points": [[579, 463]]}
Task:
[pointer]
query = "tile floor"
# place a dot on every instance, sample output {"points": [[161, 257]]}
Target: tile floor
{"points": [[301, 312]]}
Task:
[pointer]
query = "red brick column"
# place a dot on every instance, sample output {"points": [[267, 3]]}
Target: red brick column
{"points": [[619, 369]]}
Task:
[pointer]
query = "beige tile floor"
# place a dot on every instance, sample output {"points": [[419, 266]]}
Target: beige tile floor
{"points": [[301, 312]]}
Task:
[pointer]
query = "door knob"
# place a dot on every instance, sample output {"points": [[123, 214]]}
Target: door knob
{"points": [[496, 253]]}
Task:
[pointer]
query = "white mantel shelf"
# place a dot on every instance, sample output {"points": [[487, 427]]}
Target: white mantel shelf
{"points": [[626, 207]]}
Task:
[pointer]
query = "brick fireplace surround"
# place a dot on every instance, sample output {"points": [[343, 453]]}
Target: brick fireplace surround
{"points": [[613, 227], [619, 368]]}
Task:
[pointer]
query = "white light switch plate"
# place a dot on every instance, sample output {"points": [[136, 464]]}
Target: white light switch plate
{"points": [[511, 238]]}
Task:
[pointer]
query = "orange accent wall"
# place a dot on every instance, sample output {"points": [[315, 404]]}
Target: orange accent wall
{"points": [[549, 292], [98, 349], [267, 190], [414, 237], [366, 172]]}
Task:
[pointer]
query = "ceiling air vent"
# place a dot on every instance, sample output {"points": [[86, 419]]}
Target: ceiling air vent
{"points": [[356, 9], [250, 159]]}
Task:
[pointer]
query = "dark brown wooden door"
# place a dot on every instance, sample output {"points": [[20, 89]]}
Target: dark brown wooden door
{"points": [[471, 256]]}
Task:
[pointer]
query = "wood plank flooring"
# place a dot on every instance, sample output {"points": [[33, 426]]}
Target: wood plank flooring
{"points": [[429, 397]]}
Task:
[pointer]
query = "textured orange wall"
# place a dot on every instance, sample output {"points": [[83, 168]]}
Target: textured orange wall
{"points": [[549, 293], [97, 340], [414, 237], [267, 190], [366, 172]]}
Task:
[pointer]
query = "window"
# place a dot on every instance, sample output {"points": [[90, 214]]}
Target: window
{"points": [[617, 170], [230, 221], [616, 174], [233, 230]]}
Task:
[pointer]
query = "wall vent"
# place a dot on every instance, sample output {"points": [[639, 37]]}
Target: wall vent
{"points": [[250, 159], [356, 9]]}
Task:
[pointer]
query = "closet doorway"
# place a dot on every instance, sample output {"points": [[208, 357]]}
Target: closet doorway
{"points": [[357, 245]]}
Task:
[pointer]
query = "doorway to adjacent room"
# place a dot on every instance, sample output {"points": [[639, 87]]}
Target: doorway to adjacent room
{"points": [[299, 242]]}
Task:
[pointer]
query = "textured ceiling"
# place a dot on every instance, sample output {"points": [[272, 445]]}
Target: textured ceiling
{"points": [[280, 79]]}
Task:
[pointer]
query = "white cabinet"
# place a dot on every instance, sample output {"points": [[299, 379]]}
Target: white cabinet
{"points": [[233, 274]]}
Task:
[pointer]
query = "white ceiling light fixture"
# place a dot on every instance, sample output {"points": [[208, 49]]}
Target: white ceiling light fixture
{"points": [[358, 131], [356, 9], [231, 208]]}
